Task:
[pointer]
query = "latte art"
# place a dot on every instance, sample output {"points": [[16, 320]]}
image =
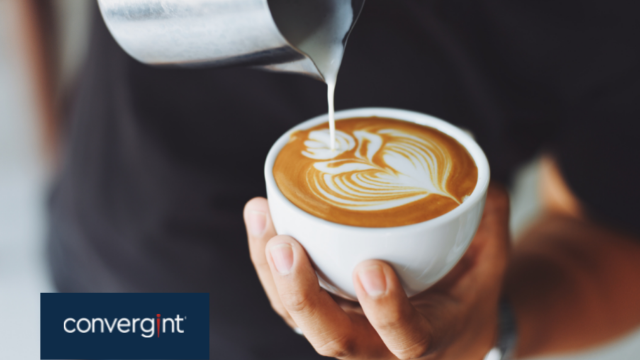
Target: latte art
{"points": [[382, 172], [408, 169]]}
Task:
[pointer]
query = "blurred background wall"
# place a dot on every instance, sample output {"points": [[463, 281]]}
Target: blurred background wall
{"points": [[22, 270], [25, 163], [28, 138]]}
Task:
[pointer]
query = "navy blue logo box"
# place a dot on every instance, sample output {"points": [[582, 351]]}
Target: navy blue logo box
{"points": [[124, 326]]}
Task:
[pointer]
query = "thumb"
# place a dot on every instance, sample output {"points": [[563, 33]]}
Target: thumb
{"points": [[493, 237], [405, 332], [495, 218]]}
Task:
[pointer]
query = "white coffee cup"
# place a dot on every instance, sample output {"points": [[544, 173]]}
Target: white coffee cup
{"points": [[421, 254]]}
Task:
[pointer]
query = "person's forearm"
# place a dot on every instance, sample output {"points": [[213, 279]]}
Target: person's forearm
{"points": [[572, 285]]}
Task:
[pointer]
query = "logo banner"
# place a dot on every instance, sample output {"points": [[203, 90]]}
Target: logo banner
{"points": [[124, 326]]}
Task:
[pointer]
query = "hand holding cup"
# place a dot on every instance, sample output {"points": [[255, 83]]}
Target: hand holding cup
{"points": [[454, 319]]}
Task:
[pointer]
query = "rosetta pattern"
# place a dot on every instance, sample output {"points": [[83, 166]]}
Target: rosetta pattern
{"points": [[376, 169]]}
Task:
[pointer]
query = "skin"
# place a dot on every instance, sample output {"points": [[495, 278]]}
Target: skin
{"points": [[457, 318], [572, 284]]}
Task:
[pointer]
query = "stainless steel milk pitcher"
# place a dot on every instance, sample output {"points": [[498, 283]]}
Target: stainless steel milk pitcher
{"points": [[221, 32]]}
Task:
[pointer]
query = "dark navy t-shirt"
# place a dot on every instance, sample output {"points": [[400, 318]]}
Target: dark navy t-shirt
{"points": [[159, 162]]}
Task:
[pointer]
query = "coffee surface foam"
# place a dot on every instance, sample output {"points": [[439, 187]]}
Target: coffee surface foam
{"points": [[382, 173]]}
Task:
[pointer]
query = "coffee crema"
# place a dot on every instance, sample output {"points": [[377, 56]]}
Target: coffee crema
{"points": [[382, 173]]}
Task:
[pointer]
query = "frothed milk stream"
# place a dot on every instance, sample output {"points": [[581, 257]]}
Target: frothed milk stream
{"points": [[323, 39]]}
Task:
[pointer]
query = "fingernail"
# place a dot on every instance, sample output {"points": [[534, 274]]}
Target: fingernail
{"points": [[282, 255], [257, 222], [373, 280]]}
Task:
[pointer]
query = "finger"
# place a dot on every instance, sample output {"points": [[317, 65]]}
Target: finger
{"points": [[493, 236], [259, 231], [495, 218], [327, 327], [405, 332]]}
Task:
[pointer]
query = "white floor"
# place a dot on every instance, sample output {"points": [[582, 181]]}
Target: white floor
{"points": [[22, 182]]}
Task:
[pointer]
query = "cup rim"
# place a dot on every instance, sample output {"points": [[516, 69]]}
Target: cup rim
{"points": [[464, 138]]}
